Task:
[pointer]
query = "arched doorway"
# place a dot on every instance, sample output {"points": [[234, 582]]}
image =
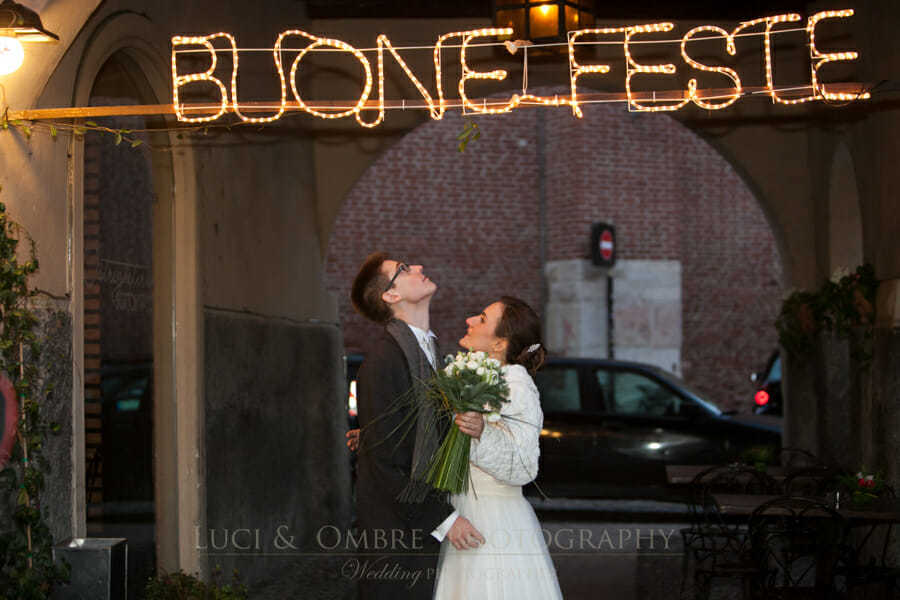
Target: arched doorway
{"points": [[845, 235], [119, 289], [699, 280], [139, 74]]}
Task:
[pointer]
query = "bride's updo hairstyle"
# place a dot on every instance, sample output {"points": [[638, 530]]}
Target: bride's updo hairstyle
{"points": [[520, 326]]}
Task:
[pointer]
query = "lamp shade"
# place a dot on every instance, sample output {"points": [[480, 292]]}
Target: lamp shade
{"points": [[543, 21], [23, 23]]}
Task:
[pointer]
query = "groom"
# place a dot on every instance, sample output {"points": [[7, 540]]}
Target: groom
{"points": [[406, 535]]}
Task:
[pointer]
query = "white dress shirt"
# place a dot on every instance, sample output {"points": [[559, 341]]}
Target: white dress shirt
{"points": [[424, 338]]}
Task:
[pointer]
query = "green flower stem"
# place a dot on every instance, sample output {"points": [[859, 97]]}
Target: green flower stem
{"points": [[450, 469]]}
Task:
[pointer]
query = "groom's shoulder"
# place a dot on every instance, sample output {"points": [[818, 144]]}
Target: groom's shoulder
{"points": [[383, 347]]}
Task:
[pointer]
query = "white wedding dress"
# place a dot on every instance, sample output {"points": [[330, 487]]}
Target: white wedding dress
{"points": [[513, 563]]}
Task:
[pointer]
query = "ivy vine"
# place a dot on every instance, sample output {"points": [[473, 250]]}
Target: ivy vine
{"points": [[27, 128], [844, 305], [27, 570]]}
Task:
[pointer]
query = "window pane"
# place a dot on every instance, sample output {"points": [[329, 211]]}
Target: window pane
{"points": [[637, 395], [514, 19], [544, 21], [604, 389], [559, 389]]}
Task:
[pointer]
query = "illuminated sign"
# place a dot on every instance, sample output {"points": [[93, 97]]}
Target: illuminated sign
{"points": [[437, 106]]}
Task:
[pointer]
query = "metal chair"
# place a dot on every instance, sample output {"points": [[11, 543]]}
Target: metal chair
{"points": [[717, 547], [814, 481], [793, 459], [870, 578], [796, 544]]}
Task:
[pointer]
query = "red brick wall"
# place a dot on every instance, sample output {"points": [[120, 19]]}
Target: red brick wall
{"points": [[472, 219]]}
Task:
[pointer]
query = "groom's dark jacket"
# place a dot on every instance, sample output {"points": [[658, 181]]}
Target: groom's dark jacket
{"points": [[383, 470]]}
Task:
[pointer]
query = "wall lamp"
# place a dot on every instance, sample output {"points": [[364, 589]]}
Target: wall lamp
{"points": [[19, 24], [543, 21]]}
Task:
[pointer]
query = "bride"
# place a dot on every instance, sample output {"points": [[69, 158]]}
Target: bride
{"points": [[513, 561]]}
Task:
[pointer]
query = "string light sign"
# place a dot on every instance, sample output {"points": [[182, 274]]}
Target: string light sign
{"points": [[438, 104]]}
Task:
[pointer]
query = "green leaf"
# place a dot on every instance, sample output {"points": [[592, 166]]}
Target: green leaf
{"points": [[79, 130], [26, 130], [91, 124], [136, 143], [118, 138], [53, 131]]}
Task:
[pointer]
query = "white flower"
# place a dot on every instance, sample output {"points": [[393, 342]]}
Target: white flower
{"points": [[859, 475], [495, 363], [493, 417], [480, 355], [480, 371], [839, 274], [450, 369], [870, 477], [471, 365]]}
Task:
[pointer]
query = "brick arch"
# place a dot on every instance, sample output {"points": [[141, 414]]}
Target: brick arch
{"points": [[472, 219]]}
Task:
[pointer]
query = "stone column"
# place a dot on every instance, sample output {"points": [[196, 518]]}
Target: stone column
{"points": [[881, 439], [801, 421], [837, 390]]}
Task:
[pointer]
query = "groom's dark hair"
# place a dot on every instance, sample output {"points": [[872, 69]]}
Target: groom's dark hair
{"points": [[368, 287]]}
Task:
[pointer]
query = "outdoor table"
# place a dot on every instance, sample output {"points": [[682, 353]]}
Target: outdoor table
{"points": [[885, 512], [743, 505], [685, 474]]}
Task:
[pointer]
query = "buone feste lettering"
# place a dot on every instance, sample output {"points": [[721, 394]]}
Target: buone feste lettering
{"points": [[437, 104]]}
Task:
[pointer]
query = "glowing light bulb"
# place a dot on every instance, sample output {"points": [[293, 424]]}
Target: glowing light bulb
{"points": [[545, 10], [11, 55]]}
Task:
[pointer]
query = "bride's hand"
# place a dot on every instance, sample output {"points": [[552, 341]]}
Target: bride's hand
{"points": [[470, 423], [463, 534], [353, 440]]}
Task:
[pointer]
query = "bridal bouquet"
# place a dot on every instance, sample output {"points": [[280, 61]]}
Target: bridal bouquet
{"points": [[471, 381]]}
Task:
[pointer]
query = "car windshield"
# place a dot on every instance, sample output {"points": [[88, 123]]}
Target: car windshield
{"points": [[681, 383]]}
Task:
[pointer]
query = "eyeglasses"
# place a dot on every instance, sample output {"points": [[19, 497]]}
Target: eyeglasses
{"points": [[401, 268]]}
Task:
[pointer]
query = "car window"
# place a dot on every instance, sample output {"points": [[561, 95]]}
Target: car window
{"points": [[634, 394], [559, 390], [775, 371]]}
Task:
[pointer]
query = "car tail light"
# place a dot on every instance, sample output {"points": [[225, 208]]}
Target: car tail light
{"points": [[351, 401], [761, 397]]}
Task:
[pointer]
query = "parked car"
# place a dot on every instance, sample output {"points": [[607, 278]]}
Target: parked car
{"points": [[767, 398], [611, 427]]}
